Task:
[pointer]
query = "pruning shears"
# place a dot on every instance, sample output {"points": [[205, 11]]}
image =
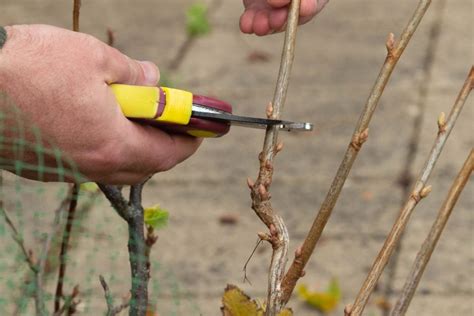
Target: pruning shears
{"points": [[180, 111]]}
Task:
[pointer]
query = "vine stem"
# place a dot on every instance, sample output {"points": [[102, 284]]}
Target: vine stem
{"points": [[278, 236], [419, 191], [132, 212], [73, 197], [36, 264], [76, 14], [424, 254], [394, 51]]}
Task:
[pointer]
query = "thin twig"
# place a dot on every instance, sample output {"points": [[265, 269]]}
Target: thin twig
{"points": [[43, 257], [36, 266], [424, 255], [406, 175], [25, 290], [73, 197], [419, 191], [70, 303], [75, 15], [110, 37], [260, 195], [18, 240], [111, 309], [246, 279], [360, 135]]}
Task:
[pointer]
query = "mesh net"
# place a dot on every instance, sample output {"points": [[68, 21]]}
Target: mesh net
{"points": [[33, 215]]}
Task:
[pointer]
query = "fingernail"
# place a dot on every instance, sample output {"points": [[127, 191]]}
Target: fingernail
{"points": [[151, 72]]}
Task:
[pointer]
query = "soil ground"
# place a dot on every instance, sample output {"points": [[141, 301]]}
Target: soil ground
{"points": [[337, 60]]}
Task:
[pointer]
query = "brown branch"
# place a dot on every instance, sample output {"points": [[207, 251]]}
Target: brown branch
{"points": [[260, 195], [75, 15], [111, 309], [43, 257], [424, 254], [419, 191], [360, 135], [70, 303], [73, 197], [110, 37], [406, 175]]}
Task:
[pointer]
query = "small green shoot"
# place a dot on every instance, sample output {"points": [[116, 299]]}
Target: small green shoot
{"points": [[156, 217], [197, 23], [90, 187]]}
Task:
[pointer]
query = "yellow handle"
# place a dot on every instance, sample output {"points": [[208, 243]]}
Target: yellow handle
{"points": [[144, 103]]}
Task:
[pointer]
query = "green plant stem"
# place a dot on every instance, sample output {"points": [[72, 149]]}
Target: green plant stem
{"points": [[132, 213]]}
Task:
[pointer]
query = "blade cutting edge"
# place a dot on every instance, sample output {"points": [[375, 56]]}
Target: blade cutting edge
{"points": [[200, 111]]}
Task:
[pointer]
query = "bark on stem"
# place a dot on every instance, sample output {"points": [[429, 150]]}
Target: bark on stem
{"points": [[259, 190], [73, 197], [406, 175], [111, 309], [132, 213], [360, 135], [419, 191], [75, 15], [424, 254], [137, 250]]}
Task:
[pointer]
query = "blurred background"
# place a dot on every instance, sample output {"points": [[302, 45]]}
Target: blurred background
{"points": [[212, 229]]}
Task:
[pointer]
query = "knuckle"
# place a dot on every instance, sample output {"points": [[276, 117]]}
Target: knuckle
{"points": [[105, 160], [101, 56], [98, 51]]}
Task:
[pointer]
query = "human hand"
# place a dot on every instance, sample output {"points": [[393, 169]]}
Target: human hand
{"points": [[60, 81], [264, 17]]}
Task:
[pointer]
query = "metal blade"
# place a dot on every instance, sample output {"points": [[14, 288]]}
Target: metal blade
{"points": [[200, 111]]}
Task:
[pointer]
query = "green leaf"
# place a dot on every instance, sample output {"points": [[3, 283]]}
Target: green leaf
{"points": [[90, 187], [197, 23], [323, 301], [156, 217], [236, 303]]}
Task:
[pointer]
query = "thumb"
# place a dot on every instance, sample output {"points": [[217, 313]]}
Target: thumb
{"points": [[122, 69]]}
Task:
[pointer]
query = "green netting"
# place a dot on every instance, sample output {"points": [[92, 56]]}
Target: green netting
{"points": [[98, 241]]}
